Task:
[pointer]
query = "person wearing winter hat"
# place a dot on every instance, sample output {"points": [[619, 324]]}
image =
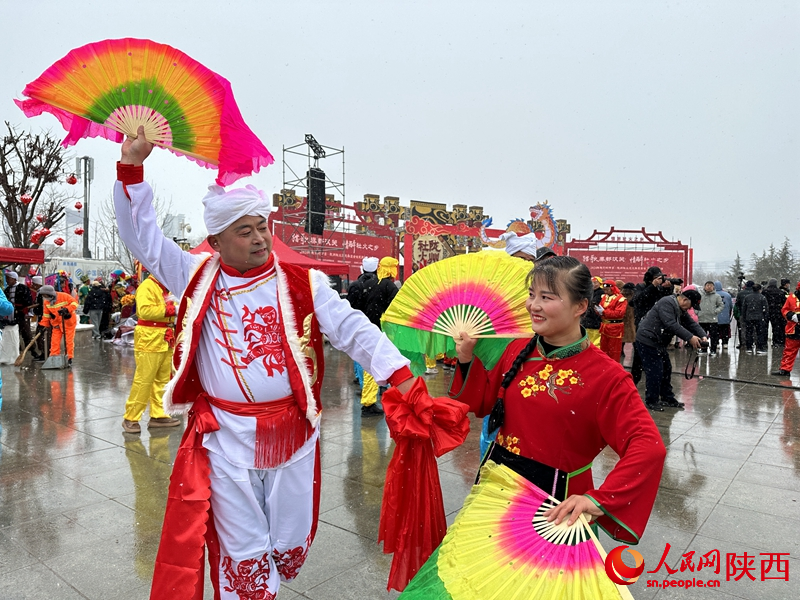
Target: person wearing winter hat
{"points": [[666, 319], [613, 306], [711, 305], [357, 295], [655, 285], [377, 302], [755, 314], [59, 316], [249, 366], [790, 312]]}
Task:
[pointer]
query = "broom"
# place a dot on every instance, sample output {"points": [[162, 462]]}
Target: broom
{"points": [[21, 357]]}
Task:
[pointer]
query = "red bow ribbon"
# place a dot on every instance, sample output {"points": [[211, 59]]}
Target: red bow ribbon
{"points": [[412, 521]]}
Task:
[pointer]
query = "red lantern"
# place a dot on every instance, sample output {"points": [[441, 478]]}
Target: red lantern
{"points": [[26, 198], [79, 231], [72, 180], [78, 206], [58, 241], [40, 218]]}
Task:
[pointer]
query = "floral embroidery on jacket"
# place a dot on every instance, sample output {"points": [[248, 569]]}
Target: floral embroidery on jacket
{"points": [[550, 380], [508, 442]]}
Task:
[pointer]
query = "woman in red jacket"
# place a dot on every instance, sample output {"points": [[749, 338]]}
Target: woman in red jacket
{"points": [[558, 401]]}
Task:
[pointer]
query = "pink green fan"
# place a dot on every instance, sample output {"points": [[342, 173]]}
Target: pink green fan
{"points": [[109, 88], [501, 547], [483, 294]]}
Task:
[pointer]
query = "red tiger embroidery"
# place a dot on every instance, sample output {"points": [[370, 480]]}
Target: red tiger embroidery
{"points": [[289, 562], [262, 332], [250, 578]]}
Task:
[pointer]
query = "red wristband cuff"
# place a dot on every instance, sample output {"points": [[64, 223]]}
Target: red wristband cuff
{"points": [[169, 310], [130, 174], [400, 376]]}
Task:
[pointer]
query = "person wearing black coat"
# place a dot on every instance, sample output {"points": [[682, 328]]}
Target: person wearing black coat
{"points": [[755, 314], [93, 306], [737, 311], [357, 295], [20, 296], [776, 298], [666, 319], [656, 286]]}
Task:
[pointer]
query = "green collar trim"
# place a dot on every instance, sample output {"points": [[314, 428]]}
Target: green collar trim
{"points": [[565, 351]]}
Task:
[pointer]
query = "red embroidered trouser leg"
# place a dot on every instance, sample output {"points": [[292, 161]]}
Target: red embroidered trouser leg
{"points": [[789, 353], [263, 519]]}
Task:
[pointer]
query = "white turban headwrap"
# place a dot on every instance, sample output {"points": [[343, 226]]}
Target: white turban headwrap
{"points": [[520, 243], [222, 208], [11, 275], [369, 264], [37, 279]]}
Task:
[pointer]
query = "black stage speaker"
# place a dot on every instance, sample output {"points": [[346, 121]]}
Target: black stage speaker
{"points": [[315, 217]]}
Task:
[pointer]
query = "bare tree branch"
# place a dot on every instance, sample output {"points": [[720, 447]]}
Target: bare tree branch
{"points": [[31, 164]]}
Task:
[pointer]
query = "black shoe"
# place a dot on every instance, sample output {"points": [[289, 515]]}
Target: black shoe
{"points": [[654, 407], [781, 373], [373, 410], [672, 403], [69, 362], [38, 357]]}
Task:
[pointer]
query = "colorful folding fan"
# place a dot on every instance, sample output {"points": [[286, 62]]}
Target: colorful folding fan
{"points": [[483, 294], [501, 547], [109, 88]]}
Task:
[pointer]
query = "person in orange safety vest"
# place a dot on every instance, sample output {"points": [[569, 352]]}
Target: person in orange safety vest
{"points": [[59, 314], [613, 306]]}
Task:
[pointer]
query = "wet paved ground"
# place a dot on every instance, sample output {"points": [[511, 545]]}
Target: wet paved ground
{"points": [[81, 503]]}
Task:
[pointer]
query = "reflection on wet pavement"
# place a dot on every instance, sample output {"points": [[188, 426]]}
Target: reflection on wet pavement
{"points": [[82, 502]]}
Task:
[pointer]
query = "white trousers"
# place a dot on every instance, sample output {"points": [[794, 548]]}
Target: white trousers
{"points": [[263, 519]]}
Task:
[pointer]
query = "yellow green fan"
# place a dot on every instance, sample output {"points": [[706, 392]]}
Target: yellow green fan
{"points": [[501, 547], [483, 294]]}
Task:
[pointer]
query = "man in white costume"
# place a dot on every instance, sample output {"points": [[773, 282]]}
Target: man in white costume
{"points": [[248, 368]]}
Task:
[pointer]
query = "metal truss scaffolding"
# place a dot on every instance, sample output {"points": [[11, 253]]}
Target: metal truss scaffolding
{"points": [[297, 161]]}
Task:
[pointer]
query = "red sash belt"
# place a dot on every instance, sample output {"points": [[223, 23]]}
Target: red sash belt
{"points": [[281, 429], [145, 323]]}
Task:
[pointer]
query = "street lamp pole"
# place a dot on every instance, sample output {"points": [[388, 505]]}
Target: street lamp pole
{"points": [[84, 167]]}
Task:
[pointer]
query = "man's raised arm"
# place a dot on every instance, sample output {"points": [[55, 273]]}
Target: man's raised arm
{"points": [[136, 219]]}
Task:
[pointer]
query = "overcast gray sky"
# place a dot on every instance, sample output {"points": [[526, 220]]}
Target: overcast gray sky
{"points": [[676, 116]]}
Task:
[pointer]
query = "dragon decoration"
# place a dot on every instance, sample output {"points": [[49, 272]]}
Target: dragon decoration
{"points": [[547, 230]]}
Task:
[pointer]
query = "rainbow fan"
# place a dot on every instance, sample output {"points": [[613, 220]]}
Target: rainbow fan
{"points": [[109, 88], [483, 294], [502, 547]]}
